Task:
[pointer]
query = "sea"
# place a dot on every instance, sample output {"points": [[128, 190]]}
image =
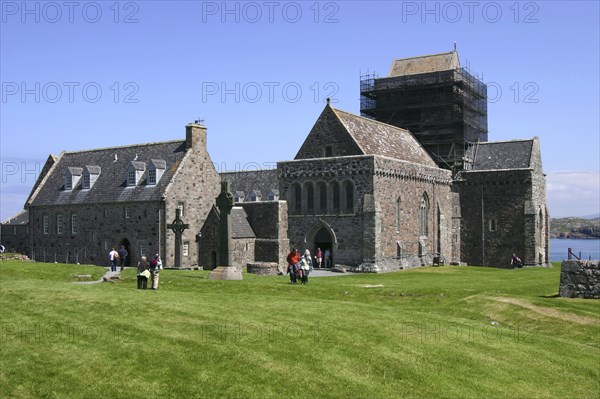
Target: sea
{"points": [[559, 248]]}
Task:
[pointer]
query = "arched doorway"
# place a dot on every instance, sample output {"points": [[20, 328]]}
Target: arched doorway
{"points": [[125, 242], [322, 239]]}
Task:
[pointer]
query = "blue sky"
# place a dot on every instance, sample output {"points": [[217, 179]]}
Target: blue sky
{"points": [[81, 75]]}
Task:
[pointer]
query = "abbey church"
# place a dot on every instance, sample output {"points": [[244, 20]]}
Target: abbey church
{"points": [[410, 182]]}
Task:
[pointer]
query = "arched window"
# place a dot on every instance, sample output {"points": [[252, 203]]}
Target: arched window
{"points": [[349, 196], [322, 193], [295, 198], [398, 213], [310, 197], [423, 215], [335, 193]]}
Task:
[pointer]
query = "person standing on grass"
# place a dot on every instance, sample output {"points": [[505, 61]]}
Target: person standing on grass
{"points": [[155, 268], [306, 265], [142, 273], [123, 256], [113, 256], [293, 259]]}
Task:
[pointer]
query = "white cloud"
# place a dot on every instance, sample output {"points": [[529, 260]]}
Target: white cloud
{"points": [[573, 193]]}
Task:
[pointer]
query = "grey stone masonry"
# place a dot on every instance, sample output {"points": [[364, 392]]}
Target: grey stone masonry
{"points": [[580, 279]]}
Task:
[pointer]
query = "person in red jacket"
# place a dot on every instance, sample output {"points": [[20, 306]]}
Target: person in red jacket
{"points": [[293, 259]]}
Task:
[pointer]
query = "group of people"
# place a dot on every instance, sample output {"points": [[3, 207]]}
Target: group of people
{"points": [[117, 256], [299, 266], [146, 269]]}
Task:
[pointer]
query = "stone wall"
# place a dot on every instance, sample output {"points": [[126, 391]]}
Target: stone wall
{"points": [[400, 189], [99, 228], [15, 238], [269, 220], [343, 223], [195, 185], [580, 279], [493, 216]]}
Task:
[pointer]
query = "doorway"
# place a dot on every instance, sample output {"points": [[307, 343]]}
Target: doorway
{"points": [[324, 241]]}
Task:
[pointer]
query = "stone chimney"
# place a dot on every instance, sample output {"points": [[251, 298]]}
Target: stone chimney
{"points": [[195, 137]]}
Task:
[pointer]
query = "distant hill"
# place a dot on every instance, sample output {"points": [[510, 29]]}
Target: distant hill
{"points": [[575, 228]]}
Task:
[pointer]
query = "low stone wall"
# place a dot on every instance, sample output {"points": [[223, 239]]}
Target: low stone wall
{"points": [[580, 279], [385, 265], [262, 268]]}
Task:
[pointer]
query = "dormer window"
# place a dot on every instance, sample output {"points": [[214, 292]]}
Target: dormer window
{"points": [[135, 170], [255, 196], [238, 196], [273, 195], [72, 177], [156, 168], [90, 175]]}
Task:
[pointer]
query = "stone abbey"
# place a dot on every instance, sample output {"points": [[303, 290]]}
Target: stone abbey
{"points": [[412, 181]]}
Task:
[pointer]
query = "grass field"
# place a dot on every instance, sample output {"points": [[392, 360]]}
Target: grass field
{"points": [[451, 332]]}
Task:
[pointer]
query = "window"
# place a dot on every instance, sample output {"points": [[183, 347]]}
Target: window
{"points": [[86, 181], [152, 176], [74, 224], [131, 177], [105, 212], [322, 189], [46, 225], [492, 224], [335, 188], [127, 213], [328, 150], [181, 207], [142, 249], [398, 213], [423, 215], [349, 192], [59, 224], [297, 195], [186, 248], [310, 197], [68, 182]]}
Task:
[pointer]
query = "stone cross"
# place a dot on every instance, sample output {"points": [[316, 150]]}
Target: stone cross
{"points": [[178, 227], [225, 203]]}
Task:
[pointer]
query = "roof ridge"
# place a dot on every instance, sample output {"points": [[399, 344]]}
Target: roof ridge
{"points": [[505, 141], [371, 120], [125, 146], [423, 56], [335, 112]]}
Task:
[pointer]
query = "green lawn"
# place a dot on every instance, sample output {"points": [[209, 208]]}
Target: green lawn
{"points": [[453, 332]]}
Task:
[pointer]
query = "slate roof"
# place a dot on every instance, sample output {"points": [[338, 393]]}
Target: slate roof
{"points": [[20, 218], [240, 228], [377, 138], [424, 64], [111, 183], [259, 181], [495, 155]]}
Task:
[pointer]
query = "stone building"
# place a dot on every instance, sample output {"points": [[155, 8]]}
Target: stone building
{"points": [[14, 233], [89, 201], [503, 205], [368, 192], [258, 233]]}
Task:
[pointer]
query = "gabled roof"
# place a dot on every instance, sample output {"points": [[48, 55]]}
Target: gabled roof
{"points": [[424, 64], [495, 155], [111, 185], [377, 138], [19, 219], [240, 228]]}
